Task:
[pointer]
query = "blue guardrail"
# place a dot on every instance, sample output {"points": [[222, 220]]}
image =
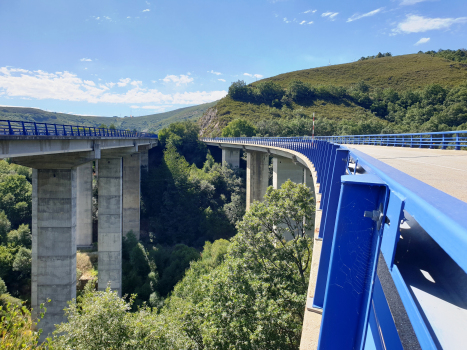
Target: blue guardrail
{"points": [[21, 128], [393, 264]]}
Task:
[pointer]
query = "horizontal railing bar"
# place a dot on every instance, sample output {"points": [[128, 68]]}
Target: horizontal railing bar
{"points": [[25, 128]]}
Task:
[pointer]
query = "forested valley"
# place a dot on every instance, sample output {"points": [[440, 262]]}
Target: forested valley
{"points": [[204, 274]]}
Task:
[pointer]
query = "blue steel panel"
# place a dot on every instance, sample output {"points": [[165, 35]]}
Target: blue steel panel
{"points": [[353, 262], [386, 328], [391, 232], [328, 220], [373, 339]]}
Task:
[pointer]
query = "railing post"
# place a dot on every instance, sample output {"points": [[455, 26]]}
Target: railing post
{"points": [[10, 130], [457, 142], [444, 143], [24, 129], [56, 131], [46, 129], [35, 128], [411, 141], [431, 141]]}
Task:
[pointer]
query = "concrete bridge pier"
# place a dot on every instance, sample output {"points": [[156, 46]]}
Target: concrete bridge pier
{"points": [[144, 160], [231, 156], [84, 205], [54, 218], [131, 193], [110, 208], [285, 169], [257, 176]]}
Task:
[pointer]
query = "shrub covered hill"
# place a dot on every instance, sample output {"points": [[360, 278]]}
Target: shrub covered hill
{"points": [[147, 123], [377, 94]]}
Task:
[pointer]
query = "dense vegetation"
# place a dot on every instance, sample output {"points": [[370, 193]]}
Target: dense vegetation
{"points": [[387, 94], [243, 294], [15, 234], [433, 108], [149, 123]]}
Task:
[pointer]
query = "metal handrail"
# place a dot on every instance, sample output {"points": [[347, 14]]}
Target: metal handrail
{"points": [[438, 140], [22, 128]]}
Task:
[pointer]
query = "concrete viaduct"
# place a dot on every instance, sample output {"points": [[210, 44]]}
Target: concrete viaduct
{"points": [[62, 206], [389, 269]]}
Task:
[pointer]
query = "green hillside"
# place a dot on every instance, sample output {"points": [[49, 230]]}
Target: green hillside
{"points": [[151, 123], [408, 93]]}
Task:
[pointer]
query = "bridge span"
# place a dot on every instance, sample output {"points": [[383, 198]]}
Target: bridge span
{"points": [[389, 268], [61, 157]]}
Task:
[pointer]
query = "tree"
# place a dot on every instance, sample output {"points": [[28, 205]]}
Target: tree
{"points": [[15, 198], [238, 128], [254, 295], [101, 320], [239, 91]]}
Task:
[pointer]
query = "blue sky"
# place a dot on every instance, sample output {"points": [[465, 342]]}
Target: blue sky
{"points": [[142, 57]]}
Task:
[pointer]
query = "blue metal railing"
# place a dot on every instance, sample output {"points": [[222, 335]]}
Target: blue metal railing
{"points": [[21, 128], [441, 139], [348, 290]]}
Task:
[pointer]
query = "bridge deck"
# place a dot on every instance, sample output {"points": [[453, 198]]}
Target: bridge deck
{"points": [[445, 170]]}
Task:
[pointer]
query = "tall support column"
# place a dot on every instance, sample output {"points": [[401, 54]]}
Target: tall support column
{"points": [[131, 193], [53, 274], [110, 224], [231, 156], [144, 160], [84, 205], [285, 169], [257, 176]]}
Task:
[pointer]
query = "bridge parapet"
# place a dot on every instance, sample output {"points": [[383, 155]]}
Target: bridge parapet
{"points": [[389, 249]]}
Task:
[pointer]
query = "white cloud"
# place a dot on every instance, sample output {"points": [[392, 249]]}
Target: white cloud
{"points": [[302, 22], [85, 60], [107, 17], [123, 82], [212, 71], [147, 10], [134, 107], [248, 74], [311, 22], [223, 80], [368, 14], [66, 86], [330, 15], [285, 20], [258, 76], [128, 17], [90, 82], [411, 2], [136, 83], [148, 3], [310, 11], [422, 41], [178, 80], [419, 24], [98, 18]]}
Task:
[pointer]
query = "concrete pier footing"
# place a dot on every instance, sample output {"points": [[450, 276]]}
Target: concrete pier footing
{"points": [[110, 224], [231, 156], [131, 193], [53, 275], [257, 176], [84, 205]]}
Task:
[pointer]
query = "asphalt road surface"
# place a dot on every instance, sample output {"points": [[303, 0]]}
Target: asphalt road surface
{"points": [[445, 170]]}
